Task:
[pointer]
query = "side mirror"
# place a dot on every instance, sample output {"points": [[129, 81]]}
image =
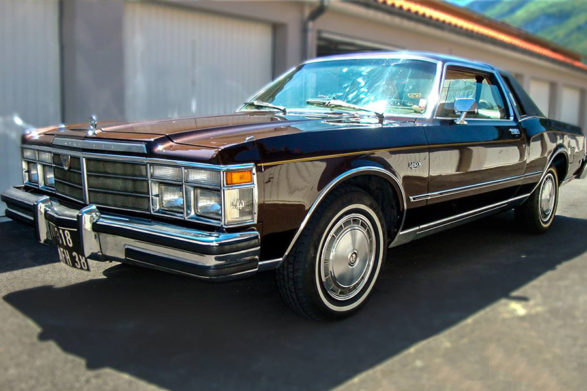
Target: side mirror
{"points": [[463, 106]]}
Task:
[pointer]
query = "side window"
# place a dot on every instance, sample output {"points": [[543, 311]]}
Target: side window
{"points": [[482, 87]]}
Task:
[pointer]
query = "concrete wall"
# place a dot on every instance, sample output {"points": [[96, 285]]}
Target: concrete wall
{"points": [[93, 47]]}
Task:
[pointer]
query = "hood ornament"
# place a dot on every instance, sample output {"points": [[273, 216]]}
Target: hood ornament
{"points": [[92, 130], [65, 161]]}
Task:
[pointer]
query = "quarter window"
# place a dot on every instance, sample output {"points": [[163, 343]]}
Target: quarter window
{"points": [[482, 87]]}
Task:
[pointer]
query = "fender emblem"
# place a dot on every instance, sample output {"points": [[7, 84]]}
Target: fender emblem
{"points": [[237, 204], [414, 165]]}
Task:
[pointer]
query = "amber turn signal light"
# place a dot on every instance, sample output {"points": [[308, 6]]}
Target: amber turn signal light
{"points": [[239, 177]]}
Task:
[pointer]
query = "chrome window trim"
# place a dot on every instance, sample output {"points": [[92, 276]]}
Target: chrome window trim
{"points": [[460, 189], [110, 146], [481, 68], [510, 96], [346, 175], [148, 161]]}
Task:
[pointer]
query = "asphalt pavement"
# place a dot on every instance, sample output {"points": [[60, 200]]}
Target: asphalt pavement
{"points": [[480, 307]]}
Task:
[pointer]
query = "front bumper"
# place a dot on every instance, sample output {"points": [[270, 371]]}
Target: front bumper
{"points": [[168, 247]]}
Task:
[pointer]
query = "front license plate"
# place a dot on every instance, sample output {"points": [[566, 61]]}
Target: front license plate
{"points": [[68, 248]]}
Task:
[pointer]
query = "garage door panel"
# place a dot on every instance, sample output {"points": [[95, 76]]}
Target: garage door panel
{"points": [[540, 93], [570, 105], [182, 62]]}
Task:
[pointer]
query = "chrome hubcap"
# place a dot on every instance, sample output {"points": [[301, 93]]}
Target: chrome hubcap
{"points": [[347, 256], [547, 198]]}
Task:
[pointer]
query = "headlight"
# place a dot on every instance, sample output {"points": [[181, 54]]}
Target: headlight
{"points": [[32, 172], [206, 194], [48, 176], [208, 203], [170, 198], [167, 173], [29, 154], [46, 157], [238, 205], [203, 177]]}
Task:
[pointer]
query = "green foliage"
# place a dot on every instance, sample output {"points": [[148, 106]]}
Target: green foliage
{"points": [[561, 21]]}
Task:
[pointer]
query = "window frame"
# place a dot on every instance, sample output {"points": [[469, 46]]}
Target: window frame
{"points": [[484, 70]]}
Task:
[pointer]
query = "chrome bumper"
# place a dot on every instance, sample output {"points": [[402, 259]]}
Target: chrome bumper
{"points": [[168, 247]]}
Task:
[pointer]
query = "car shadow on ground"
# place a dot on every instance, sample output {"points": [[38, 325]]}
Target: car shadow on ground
{"points": [[20, 249], [180, 333]]}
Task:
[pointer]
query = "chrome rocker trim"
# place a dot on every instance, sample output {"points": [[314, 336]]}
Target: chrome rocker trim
{"points": [[163, 246], [453, 221]]}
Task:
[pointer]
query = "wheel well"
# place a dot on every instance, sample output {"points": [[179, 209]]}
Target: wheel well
{"points": [[561, 166], [385, 195]]}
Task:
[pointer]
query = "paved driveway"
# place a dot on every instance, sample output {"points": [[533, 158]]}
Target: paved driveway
{"points": [[481, 307]]}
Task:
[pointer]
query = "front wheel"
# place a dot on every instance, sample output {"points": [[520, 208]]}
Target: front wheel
{"points": [[538, 212], [336, 260]]}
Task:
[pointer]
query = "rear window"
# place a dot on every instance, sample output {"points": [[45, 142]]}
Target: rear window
{"points": [[523, 102]]}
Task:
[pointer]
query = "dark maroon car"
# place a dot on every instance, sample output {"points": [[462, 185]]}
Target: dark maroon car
{"points": [[316, 176]]}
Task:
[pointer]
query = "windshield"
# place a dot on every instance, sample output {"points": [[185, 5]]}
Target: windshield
{"points": [[390, 86]]}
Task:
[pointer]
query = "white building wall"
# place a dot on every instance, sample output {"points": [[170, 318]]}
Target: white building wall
{"points": [[540, 93], [180, 62], [570, 105], [29, 76]]}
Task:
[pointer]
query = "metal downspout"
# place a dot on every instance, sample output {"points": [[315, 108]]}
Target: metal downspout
{"points": [[309, 27]]}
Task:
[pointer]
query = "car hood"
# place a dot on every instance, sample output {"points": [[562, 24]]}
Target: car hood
{"points": [[213, 132]]}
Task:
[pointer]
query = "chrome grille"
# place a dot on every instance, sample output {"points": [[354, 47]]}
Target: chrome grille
{"points": [[180, 190], [117, 184], [68, 182]]}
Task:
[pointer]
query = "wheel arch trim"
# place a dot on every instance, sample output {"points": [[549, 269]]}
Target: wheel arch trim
{"points": [[560, 149], [391, 177]]}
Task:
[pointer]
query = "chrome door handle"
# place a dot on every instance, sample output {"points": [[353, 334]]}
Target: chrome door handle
{"points": [[515, 131]]}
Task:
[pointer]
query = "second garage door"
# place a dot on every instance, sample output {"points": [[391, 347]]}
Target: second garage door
{"points": [[181, 62]]}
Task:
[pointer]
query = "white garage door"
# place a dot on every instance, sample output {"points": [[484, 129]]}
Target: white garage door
{"points": [[570, 104], [29, 76], [540, 93], [181, 62]]}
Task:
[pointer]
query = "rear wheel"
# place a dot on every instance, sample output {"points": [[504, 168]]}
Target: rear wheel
{"points": [[337, 258], [538, 212]]}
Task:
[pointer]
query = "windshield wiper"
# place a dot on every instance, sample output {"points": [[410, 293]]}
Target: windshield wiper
{"points": [[340, 104], [260, 103]]}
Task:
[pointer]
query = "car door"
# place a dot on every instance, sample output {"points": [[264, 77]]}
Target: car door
{"points": [[484, 156]]}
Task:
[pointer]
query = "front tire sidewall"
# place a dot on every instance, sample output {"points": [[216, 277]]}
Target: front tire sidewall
{"points": [[342, 307]]}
